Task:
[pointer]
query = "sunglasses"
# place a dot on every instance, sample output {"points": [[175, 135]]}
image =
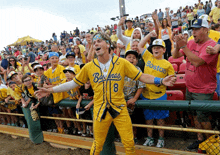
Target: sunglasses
{"points": [[27, 80], [11, 60]]}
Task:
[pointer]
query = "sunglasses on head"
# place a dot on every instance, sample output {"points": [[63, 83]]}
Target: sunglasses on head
{"points": [[27, 80]]}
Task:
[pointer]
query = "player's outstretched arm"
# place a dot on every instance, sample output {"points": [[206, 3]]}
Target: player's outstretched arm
{"points": [[42, 92], [149, 79]]}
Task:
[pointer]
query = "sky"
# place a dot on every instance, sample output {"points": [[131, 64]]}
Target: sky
{"points": [[40, 18]]}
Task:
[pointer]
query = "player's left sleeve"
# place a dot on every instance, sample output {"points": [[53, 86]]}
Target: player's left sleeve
{"points": [[131, 71]]}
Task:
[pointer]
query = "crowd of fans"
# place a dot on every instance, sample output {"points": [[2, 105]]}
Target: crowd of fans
{"points": [[56, 61]]}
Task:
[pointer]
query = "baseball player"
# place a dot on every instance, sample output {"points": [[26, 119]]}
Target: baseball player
{"points": [[106, 74]]}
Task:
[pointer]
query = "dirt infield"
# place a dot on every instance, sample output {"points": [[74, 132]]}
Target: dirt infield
{"points": [[23, 146]]}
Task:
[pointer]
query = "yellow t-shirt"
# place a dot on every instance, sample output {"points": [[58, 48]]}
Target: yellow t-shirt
{"points": [[128, 33], [73, 94], [26, 69], [108, 91], [215, 13], [77, 68], [18, 63], [214, 35], [114, 38], [195, 11], [158, 68], [190, 16], [3, 94], [55, 78]]}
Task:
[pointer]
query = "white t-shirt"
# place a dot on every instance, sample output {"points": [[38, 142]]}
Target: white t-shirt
{"points": [[62, 58], [105, 67], [165, 34], [3, 86], [175, 23]]}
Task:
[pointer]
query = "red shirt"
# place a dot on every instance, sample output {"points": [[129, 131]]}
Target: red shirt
{"points": [[16, 53], [201, 79]]}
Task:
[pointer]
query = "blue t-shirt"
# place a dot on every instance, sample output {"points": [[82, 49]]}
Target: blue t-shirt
{"points": [[4, 63], [32, 57]]}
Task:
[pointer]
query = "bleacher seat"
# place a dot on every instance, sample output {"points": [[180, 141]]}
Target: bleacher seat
{"points": [[215, 97], [174, 95], [182, 68], [180, 83], [177, 61], [175, 67]]}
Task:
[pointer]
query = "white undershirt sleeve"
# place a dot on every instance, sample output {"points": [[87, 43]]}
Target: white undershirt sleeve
{"points": [[65, 87]]}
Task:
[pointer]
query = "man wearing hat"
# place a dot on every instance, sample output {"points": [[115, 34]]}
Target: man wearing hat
{"points": [[130, 29], [70, 56], [157, 66], [106, 74], [4, 62], [200, 75]]}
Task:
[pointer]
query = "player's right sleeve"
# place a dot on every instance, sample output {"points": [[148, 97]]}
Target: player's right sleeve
{"points": [[82, 77]]}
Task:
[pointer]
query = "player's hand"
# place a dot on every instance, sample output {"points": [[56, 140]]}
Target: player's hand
{"points": [[131, 101], [122, 21], [211, 50], [43, 92], [169, 80]]}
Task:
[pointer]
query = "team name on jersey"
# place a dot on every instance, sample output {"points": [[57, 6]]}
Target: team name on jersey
{"points": [[100, 78], [154, 67], [54, 79]]}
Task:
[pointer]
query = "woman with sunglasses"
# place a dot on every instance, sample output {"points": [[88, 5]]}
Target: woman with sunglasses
{"points": [[13, 65]]}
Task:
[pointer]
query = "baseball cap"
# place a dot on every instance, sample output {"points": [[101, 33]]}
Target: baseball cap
{"points": [[131, 52], [38, 66], [11, 82], [71, 69], [201, 22], [51, 54], [186, 32], [70, 54], [157, 42], [128, 20], [70, 43], [34, 63], [11, 74]]}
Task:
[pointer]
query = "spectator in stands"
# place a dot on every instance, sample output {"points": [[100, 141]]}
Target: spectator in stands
{"points": [[190, 17], [12, 65], [200, 11], [77, 32], [174, 21], [62, 58], [132, 91], [184, 15], [156, 66], [217, 27], [160, 15], [130, 29], [86, 93], [31, 55], [4, 62], [17, 52], [214, 14], [88, 37], [54, 36], [165, 33], [3, 75], [114, 36], [73, 95], [79, 57], [70, 56], [26, 66], [68, 49], [199, 87]]}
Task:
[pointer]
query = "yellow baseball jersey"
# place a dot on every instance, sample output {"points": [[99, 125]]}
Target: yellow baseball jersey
{"points": [[214, 35], [73, 94], [82, 49], [114, 38], [3, 94], [55, 78], [108, 91], [158, 68], [128, 33]]}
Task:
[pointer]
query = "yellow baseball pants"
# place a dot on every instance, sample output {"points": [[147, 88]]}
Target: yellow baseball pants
{"points": [[124, 126]]}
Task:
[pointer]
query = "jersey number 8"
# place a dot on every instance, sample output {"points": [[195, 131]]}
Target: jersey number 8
{"points": [[115, 87]]}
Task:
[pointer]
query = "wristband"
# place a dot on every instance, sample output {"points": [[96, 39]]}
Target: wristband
{"points": [[158, 80]]}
